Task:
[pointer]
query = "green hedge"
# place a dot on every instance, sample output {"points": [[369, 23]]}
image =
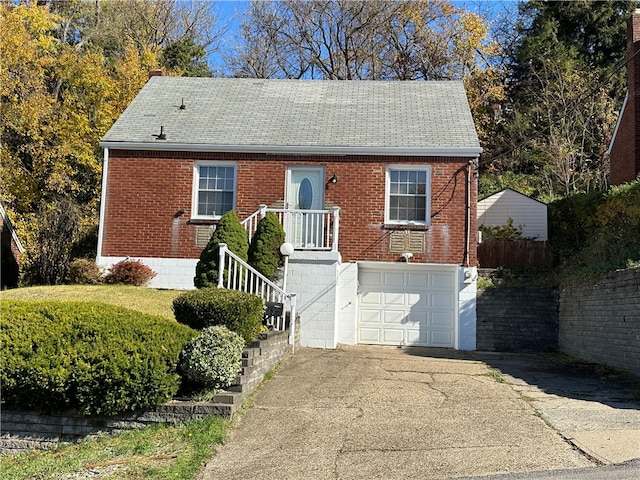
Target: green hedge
{"points": [[96, 358], [240, 312]]}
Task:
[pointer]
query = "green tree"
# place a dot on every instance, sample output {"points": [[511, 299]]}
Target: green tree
{"points": [[565, 85], [264, 251], [186, 58], [593, 31], [230, 231]]}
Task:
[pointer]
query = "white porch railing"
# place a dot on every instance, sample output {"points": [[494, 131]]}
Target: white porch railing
{"points": [[304, 229], [242, 276]]}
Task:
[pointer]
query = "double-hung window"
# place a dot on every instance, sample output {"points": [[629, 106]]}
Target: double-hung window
{"points": [[214, 189], [408, 199]]}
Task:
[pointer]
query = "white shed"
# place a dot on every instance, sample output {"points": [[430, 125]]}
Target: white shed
{"points": [[496, 209]]}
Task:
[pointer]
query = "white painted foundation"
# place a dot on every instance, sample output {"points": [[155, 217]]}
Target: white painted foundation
{"points": [[313, 276], [173, 273]]}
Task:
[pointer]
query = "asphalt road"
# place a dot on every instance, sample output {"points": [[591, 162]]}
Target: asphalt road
{"points": [[626, 471]]}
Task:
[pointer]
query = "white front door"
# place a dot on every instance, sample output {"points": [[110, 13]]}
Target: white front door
{"points": [[305, 191], [414, 305]]}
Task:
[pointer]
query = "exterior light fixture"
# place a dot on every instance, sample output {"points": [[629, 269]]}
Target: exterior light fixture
{"points": [[286, 249]]}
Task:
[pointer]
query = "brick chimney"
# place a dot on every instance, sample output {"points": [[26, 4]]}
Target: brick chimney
{"points": [[158, 72], [625, 146]]}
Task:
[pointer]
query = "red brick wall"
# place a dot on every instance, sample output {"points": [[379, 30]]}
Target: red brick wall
{"points": [[625, 152], [145, 191]]}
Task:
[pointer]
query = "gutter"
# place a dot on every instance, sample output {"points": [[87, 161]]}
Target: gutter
{"points": [[297, 149]]}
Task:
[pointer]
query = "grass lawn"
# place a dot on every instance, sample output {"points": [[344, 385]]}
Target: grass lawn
{"points": [[158, 452], [146, 300]]}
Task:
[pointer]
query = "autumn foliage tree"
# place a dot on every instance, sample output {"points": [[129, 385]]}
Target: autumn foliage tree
{"points": [[62, 85]]}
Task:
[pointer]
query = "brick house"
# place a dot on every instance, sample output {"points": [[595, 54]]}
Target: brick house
{"points": [[374, 182], [624, 149], [12, 251]]}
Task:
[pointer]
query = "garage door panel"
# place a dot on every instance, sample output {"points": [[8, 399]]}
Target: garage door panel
{"points": [[411, 307], [393, 298], [394, 336], [442, 319], [418, 280], [441, 300], [417, 300], [370, 335], [441, 338], [442, 280], [394, 279], [417, 316], [371, 298], [415, 337], [370, 278], [371, 317], [394, 317]]}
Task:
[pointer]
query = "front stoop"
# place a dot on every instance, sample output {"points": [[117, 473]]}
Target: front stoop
{"points": [[29, 430]]}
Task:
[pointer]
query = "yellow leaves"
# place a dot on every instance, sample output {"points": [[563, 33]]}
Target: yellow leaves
{"points": [[131, 73], [26, 46], [58, 101]]}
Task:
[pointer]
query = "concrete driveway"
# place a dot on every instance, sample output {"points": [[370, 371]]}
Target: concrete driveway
{"points": [[388, 413]]}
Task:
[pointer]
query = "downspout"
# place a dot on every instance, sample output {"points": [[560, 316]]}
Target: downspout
{"points": [[467, 223], [467, 230]]}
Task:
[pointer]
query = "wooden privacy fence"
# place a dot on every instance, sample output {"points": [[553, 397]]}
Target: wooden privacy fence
{"points": [[514, 253]]}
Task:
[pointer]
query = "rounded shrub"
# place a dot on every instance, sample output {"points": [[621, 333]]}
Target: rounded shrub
{"points": [[130, 272], [240, 312], [230, 231], [95, 358], [85, 272], [213, 358], [264, 251]]}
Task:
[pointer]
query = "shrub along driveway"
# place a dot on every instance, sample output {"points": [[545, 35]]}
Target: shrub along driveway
{"points": [[383, 412]]}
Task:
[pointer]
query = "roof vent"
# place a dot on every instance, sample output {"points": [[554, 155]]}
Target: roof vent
{"points": [[162, 135], [182, 105]]}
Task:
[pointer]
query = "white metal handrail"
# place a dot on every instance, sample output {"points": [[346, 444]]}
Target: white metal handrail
{"points": [[305, 229], [243, 277]]}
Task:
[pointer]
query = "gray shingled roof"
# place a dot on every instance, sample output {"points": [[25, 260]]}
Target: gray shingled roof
{"points": [[256, 114]]}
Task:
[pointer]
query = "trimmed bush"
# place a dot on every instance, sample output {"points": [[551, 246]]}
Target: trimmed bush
{"points": [[130, 272], [240, 312], [92, 357], [213, 358], [230, 231], [85, 272], [264, 251]]}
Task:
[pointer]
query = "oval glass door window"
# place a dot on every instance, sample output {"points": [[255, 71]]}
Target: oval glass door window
{"points": [[305, 194]]}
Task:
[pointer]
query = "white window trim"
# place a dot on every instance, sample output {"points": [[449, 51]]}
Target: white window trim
{"points": [[196, 185], [387, 194]]}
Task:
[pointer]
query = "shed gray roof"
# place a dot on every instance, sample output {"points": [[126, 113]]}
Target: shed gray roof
{"points": [[298, 116]]}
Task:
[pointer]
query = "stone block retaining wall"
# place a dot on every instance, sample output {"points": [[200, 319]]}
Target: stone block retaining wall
{"points": [[28, 430], [601, 322], [516, 320]]}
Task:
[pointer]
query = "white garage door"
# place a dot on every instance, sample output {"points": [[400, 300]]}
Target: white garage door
{"points": [[415, 305]]}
